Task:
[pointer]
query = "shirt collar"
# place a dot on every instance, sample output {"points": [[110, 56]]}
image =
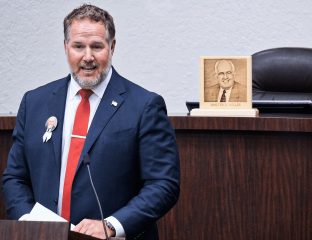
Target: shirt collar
{"points": [[227, 90], [99, 90]]}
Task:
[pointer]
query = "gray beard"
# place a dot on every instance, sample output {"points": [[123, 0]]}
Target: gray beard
{"points": [[90, 84]]}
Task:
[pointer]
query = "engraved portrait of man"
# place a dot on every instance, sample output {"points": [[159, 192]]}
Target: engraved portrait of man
{"points": [[222, 84]]}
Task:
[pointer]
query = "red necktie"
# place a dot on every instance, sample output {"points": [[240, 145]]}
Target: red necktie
{"points": [[79, 134]]}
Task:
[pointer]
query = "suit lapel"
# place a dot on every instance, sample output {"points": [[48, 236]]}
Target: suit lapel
{"points": [[110, 103], [56, 107], [234, 97], [214, 95]]}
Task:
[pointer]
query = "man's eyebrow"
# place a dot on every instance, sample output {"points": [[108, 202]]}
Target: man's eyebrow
{"points": [[97, 42], [77, 42]]}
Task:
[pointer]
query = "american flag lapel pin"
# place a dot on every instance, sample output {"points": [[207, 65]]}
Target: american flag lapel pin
{"points": [[114, 103]]}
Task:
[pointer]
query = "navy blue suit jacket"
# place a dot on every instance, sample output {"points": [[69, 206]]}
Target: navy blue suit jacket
{"points": [[133, 153]]}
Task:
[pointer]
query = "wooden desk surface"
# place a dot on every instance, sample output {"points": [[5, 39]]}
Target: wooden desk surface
{"points": [[284, 123], [301, 123]]}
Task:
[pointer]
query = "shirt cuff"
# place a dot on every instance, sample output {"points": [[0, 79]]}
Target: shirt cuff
{"points": [[120, 232]]}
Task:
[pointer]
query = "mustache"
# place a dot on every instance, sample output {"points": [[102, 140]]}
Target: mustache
{"points": [[88, 65]]}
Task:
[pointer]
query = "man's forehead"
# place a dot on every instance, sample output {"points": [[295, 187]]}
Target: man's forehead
{"points": [[87, 28], [224, 65], [87, 24]]}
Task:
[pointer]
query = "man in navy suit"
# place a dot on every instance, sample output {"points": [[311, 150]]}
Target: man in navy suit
{"points": [[130, 142]]}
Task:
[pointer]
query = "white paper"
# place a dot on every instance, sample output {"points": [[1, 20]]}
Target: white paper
{"points": [[41, 213]]}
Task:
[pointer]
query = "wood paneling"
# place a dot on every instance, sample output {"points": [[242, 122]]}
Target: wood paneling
{"points": [[286, 123], [21, 230], [6, 128], [241, 178], [25, 230]]}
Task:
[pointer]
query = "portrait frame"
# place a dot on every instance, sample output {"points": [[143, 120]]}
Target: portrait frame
{"points": [[240, 96]]}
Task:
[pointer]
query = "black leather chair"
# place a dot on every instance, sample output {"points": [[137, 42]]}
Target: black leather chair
{"points": [[282, 74], [281, 81]]}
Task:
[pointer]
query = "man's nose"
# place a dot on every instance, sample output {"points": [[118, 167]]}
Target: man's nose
{"points": [[88, 55]]}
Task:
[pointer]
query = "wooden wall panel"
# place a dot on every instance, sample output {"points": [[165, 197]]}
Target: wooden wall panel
{"points": [[241, 178], [245, 183], [6, 128]]}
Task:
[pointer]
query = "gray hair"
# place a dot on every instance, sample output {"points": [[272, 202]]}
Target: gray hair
{"points": [[93, 13]]}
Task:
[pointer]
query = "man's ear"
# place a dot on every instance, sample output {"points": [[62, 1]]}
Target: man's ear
{"points": [[65, 46], [113, 46]]}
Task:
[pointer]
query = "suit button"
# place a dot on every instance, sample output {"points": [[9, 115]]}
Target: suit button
{"points": [[55, 201]]}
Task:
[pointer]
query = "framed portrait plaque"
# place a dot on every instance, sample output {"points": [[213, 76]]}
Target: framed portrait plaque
{"points": [[225, 85]]}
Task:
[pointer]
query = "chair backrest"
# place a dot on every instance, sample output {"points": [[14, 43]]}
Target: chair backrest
{"points": [[282, 74]]}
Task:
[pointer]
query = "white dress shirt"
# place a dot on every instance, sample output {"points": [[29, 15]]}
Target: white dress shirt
{"points": [[72, 102], [227, 94]]}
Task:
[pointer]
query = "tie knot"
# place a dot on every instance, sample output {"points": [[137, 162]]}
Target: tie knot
{"points": [[85, 93]]}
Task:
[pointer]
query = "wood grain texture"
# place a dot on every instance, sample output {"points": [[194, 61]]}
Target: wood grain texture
{"points": [[283, 123], [7, 122], [33, 230], [25, 230], [242, 184], [5, 145], [241, 178]]}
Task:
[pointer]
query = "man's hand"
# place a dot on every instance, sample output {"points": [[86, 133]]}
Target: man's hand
{"points": [[93, 228]]}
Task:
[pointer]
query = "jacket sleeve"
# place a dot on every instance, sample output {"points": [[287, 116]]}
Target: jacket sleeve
{"points": [[159, 169], [16, 180]]}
